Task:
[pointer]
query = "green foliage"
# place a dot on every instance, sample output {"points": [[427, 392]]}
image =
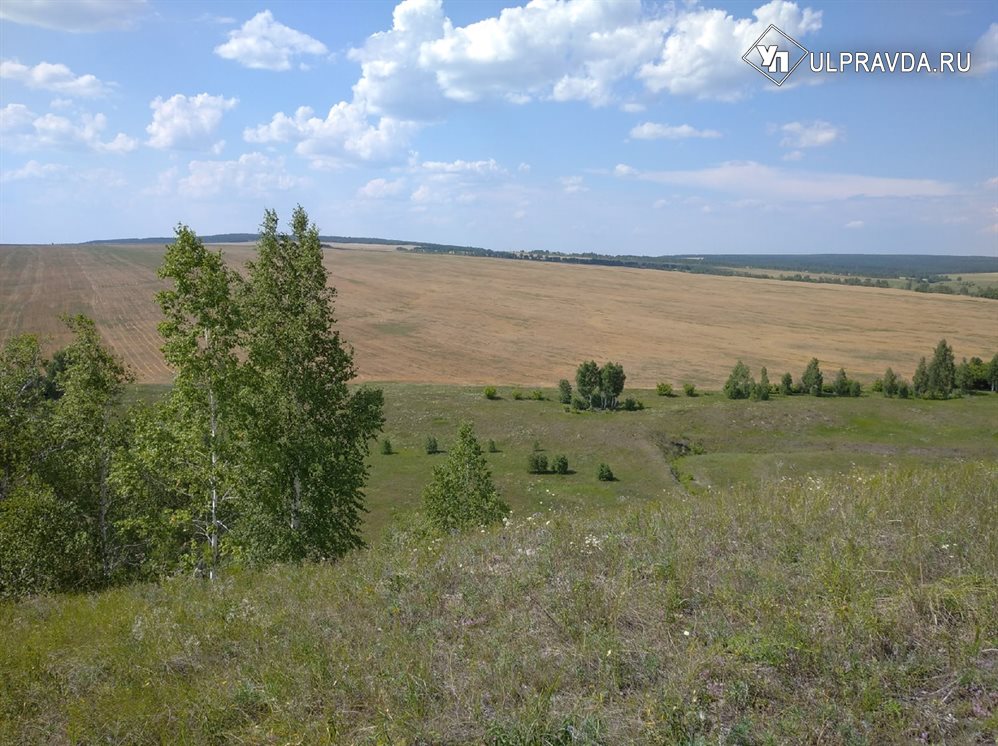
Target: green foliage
{"points": [[431, 446], [580, 404], [891, 384], [904, 389], [564, 391], [787, 384], [386, 447], [306, 433], [611, 384], [941, 372], [517, 395], [537, 395], [663, 389], [559, 465], [992, 373], [739, 384], [855, 388], [689, 389], [761, 390], [491, 393], [632, 405], [812, 380], [537, 463], [493, 448], [920, 381], [25, 411], [461, 493], [605, 474], [587, 382], [841, 383]]}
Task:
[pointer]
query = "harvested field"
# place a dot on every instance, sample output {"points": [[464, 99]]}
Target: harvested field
{"points": [[454, 319]]}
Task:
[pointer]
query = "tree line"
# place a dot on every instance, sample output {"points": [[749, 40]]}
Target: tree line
{"points": [[257, 454]]}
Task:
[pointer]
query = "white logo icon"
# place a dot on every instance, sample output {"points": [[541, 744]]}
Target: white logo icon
{"points": [[775, 54]]}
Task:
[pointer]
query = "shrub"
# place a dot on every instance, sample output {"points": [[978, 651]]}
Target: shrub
{"points": [[739, 384], [564, 391], [689, 389], [386, 447], [560, 465], [787, 384], [491, 393], [492, 446], [841, 383], [632, 405], [580, 404], [855, 389], [605, 474], [812, 379], [664, 389], [431, 446], [761, 390], [877, 386], [536, 447], [537, 395], [461, 493], [517, 395], [537, 463]]}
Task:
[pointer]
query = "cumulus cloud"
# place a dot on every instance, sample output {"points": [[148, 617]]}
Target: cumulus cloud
{"points": [[573, 184], [456, 167], [186, 121], [701, 55], [33, 170], [47, 76], [265, 44], [809, 134], [26, 131], [622, 169], [750, 179], [381, 189], [346, 131], [79, 16], [653, 131], [984, 58], [252, 174]]}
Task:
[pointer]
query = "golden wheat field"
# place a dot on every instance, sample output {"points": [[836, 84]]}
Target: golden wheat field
{"points": [[454, 319]]}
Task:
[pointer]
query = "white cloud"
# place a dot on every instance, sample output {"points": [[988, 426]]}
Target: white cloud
{"points": [[77, 16], [26, 131], [854, 224], [793, 155], [809, 134], [381, 189], [252, 174], [992, 182], [632, 107], [346, 132], [523, 168], [33, 170], [474, 167], [60, 103], [186, 122], [701, 56], [984, 58], [622, 169], [654, 131], [47, 76], [573, 184], [752, 179], [265, 44]]}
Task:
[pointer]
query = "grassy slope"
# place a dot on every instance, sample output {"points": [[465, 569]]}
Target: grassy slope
{"points": [[855, 609]]}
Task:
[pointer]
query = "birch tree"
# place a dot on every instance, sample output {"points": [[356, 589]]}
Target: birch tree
{"points": [[201, 332], [307, 434]]}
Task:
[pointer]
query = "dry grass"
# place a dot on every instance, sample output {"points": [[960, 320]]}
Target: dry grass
{"points": [[451, 319]]}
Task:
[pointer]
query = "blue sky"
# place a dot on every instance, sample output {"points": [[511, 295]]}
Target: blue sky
{"points": [[619, 127]]}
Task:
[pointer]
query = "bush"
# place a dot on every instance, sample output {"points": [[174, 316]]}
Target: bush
{"points": [[560, 465], [492, 446], [536, 447], [689, 389], [431, 446], [664, 389], [605, 474], [537, 463], [739, 384], [855, 389], [461, 493], [537, 395], [564, 391], [491, 393], [517, 395], [579, 403], [787, 384], [632, 405], [386, 447]]}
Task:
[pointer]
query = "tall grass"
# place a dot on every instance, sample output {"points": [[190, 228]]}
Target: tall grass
{"points": [[855, 609]]}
